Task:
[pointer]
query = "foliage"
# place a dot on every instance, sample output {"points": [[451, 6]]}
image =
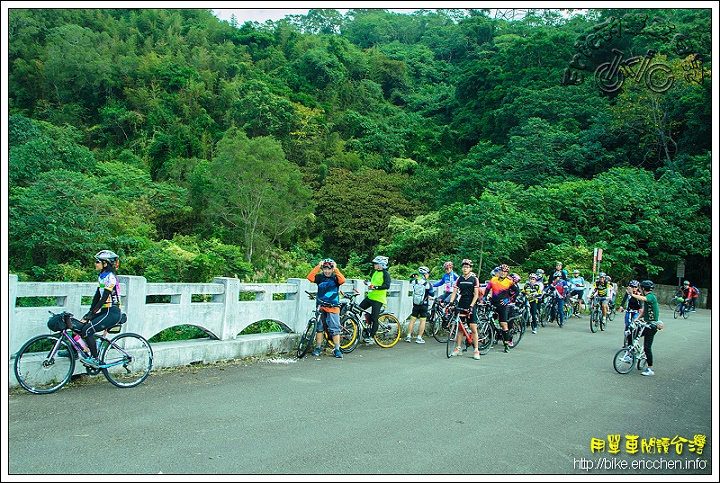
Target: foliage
{"points": [[222, 149]]}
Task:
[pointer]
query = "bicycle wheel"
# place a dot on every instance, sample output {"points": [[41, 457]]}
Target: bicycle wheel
{"points": [[611, 313], [132, 359], [516, 332], [486, 336], [684, 311], [39, 373], [349, 336], [306, 339], [642, 362], [452, 333], [624, 360], [440, 327], [568, 310], [388, 333], [595, 319]]}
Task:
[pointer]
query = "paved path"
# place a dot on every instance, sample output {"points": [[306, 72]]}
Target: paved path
{"points": [[407, 409]]}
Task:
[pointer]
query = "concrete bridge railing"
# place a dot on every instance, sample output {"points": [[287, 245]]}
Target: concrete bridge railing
{"points": [[223, 309]]}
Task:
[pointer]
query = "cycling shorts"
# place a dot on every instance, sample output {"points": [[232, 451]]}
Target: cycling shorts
{"points": [[332, 321], [419, 311]]}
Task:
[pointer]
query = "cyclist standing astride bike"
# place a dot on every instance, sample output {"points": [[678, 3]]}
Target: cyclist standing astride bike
{"points": [[560, 291], [651, 314], [448, 280], [104, 310], [690, 295], [328, 302], [499, 290], [632, 308], [378, 286], [533, 291], [577, 288], [601, 290], [467, 287]]}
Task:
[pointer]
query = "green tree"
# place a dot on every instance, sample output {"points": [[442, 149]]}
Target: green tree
{"points": [[254, 194]]}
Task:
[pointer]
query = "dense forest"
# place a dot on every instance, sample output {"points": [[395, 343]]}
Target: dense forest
{"points": [[196, 147]]}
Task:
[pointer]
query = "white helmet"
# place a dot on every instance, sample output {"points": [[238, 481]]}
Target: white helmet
{"points": [[382, 261]]}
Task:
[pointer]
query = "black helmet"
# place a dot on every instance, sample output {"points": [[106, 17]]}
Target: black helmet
{"points": [[647, 285]]}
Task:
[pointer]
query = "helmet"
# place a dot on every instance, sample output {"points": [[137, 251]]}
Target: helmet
{"points": [[634, 283], [647, 285], [532, 276], [515, 277], [380, 260], [660, 325], [328, 263], [558, 263], [449, 265], [539, 272], [108, 256], [504, 268], [608, 278], [686, 282], [467, 261], [423, 270], [576, 271], [601, 274]]}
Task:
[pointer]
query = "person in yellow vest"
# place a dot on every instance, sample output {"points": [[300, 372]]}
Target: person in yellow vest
{"points": [[378, 286]]}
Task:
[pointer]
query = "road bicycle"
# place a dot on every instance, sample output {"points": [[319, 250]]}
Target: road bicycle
{"points": [[389, 329], [45, 363], [459, 323], [438, 321], [596, 318], [490, 331], [633, 354], [348, 332], [574, 304]]}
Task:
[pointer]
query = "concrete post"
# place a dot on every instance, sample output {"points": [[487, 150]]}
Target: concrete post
{"points": [[132, 292], [230, 299]]}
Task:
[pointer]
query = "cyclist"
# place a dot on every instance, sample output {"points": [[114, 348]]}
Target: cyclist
{"points": [[559, 268], [448, 280], [104, 310], [328, 302], [467, 288], [499, 290], [632, 308], [651, 314], [601, 291], [559, 292], [612, 291], [376, 297], [690, 295], [577, 288], [533, 291], [422, 290], [540, 273]]}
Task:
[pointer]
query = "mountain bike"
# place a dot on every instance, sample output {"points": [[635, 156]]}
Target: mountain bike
{"points": [[348, 333], [389, 329], [45, 363], [438, 321], [633, 354], [596, 318]]}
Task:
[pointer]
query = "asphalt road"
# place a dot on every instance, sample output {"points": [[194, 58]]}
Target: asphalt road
{"points": [[403, 410]]}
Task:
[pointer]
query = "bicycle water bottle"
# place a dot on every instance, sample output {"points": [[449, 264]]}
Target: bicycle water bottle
{"points": [[82, 343]]}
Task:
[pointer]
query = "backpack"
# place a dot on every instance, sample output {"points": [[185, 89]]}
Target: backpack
{"points": [[418, 292], [697, 290]]}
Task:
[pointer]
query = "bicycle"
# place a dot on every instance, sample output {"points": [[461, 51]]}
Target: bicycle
{"points": [[681, 309], [574, 304], [348, 333], [45, 363], [438, 321], [676, 299], [389, 329], [596, 318], [459, 322], [633, 354], [490, 331]]}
